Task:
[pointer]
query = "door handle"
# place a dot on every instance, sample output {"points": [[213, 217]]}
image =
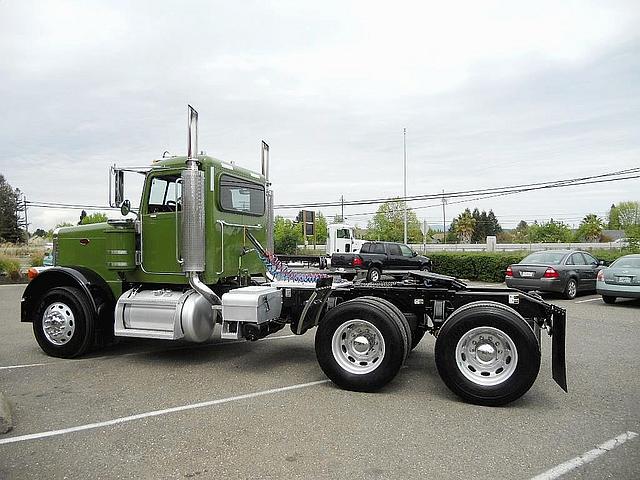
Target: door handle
{"points": [[153, 215]]}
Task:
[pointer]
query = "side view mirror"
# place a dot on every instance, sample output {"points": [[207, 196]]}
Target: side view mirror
{"points": [[117, 177], [601, 262], [414, 254], [125, 208]]}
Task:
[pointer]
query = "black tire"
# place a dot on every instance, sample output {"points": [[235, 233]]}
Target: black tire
{"points": [[78, 314], [399, 316], [374, 274], [391, 330], [571, 289], [492, 317], [608, 299]]}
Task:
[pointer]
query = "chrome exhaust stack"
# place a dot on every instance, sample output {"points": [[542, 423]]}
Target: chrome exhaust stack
{"points": [[193, 226], [268, 194]]}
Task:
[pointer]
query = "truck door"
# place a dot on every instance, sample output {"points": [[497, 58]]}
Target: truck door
{"points": [[162, 199], [410, 260], [591, 272], [396, 260], [579, 265]]}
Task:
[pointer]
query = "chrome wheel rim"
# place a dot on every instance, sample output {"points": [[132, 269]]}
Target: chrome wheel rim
{"points": [[358, 347], [572, 288], [375, 276], [486, 356], [58, 323]]}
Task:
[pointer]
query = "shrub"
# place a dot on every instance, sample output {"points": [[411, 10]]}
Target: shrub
{"points": [[37, 259], [10, 266], [486, 267], [491, 267]]}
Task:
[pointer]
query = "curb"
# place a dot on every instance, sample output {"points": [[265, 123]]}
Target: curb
{"points": [[6, 421]]}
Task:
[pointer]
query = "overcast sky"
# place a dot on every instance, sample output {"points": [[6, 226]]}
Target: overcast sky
{"points": [[491, 94]]}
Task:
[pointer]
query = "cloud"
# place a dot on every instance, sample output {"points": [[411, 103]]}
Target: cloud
{"points": [[491, 93]]}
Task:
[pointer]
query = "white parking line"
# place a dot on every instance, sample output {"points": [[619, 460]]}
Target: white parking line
{"points": [[156, 413], [181, 347], [585, 458], [9, 367], [588, 300]]}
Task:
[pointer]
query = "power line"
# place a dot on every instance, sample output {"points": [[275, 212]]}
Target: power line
{"points": [[465, 195], [483, 191]]}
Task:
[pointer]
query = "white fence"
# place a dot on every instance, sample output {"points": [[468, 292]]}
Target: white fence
{"points": [[511, 247], [498, 247]]}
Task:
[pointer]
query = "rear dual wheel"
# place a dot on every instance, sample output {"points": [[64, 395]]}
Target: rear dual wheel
{"points": [[487, 354], [362, 343]]}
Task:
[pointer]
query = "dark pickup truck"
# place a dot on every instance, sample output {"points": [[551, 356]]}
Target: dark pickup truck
{"points": [[375, 258]]}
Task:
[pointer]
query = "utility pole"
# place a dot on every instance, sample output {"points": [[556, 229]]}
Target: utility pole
{"points": [[444, 219], [342, 203], [404, 143], [26, 218]]}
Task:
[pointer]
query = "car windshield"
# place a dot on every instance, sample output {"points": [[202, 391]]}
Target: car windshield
{"points": [[629, 262], [545, 258]]}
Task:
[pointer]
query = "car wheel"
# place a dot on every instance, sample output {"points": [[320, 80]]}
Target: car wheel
{"points": [[63, 322], [487, 354], [374, 274], [608, 299], [571, 289]]}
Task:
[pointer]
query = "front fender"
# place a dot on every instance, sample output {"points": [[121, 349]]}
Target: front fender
{"points": [[94, 287]]}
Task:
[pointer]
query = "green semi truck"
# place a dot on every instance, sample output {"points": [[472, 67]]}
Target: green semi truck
{"points": [[198, 253]]}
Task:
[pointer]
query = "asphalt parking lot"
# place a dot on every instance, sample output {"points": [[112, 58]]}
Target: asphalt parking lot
{"points": [[145, 409]]}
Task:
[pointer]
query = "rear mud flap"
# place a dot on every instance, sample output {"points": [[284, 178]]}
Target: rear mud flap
{"points": [[558, 362]]}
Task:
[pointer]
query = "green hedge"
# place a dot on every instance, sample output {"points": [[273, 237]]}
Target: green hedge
{"points": [[486, 267], [490, 267]]}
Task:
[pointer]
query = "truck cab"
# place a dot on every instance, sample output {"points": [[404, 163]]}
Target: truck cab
{"points": [[161, 270], [341, 239]]}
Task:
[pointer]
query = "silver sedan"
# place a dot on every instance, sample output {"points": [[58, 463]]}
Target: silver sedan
{"points": [[621, 279]]}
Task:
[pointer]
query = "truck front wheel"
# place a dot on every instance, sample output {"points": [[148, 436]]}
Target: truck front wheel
{"points": [[487, 354], [63, 322], [361, 345]]}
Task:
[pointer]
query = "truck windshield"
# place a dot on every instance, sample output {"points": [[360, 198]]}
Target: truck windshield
{"points": [[343, 233], [241, 196]]}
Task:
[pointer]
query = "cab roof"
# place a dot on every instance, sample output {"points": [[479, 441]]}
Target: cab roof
{"points": [[206, 161]]}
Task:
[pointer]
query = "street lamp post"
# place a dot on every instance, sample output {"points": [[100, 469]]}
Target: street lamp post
{"points": [[404, 143]]}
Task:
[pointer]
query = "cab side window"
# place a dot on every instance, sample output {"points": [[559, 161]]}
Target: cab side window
{"points": [[395, 250], [576, 259], [342, 233], [406, 251], [241, 196], [164, 194], [377, 248], [589, 260]]}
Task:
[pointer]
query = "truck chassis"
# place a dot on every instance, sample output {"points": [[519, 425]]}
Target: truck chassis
{"points": [[487, 348]]}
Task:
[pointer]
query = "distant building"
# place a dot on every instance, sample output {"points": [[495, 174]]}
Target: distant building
{"points": [[612, 235]]}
